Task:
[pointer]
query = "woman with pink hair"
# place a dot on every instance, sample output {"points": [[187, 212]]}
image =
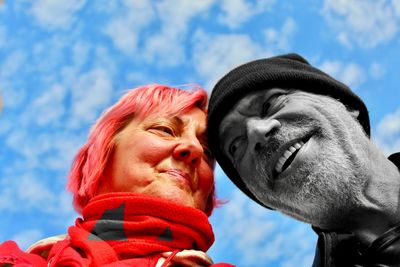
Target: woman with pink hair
{"points": [[144, 185]]}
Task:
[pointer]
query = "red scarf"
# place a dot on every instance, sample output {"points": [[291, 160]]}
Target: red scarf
{"points": [[120, 226]]}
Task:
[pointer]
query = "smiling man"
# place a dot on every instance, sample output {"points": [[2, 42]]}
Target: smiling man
{"points": [[296, 140]]}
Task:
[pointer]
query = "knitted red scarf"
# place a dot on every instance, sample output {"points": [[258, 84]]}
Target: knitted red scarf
{"points": [[119, 226]]}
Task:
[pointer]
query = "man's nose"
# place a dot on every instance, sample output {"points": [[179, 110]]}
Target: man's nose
{"points": [[258, 131], [189, 150]]}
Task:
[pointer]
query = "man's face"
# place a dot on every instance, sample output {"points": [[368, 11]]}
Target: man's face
{"points": [[301, 153]]}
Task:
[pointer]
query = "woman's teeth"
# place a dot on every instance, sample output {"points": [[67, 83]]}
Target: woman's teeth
{"points": [[286, 155]]}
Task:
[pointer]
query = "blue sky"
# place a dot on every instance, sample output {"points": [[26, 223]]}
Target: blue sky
{"points": [[63, 62]]}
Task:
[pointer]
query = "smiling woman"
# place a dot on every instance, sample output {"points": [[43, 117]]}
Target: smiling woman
{"points": [[144, 185]]}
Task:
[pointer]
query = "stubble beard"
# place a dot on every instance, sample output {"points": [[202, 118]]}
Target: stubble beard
{"points": [[320, 192]]}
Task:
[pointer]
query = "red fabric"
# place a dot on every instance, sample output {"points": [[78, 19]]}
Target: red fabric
{"points": [[145, 222], [143, 227], [12, 255]]}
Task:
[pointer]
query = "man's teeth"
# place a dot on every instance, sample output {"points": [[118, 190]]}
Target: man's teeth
{"points": [[292, 149]]}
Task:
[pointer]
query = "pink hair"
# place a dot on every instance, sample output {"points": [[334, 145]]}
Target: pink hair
{"points": [[89, 164]]}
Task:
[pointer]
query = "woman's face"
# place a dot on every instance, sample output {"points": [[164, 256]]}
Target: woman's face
{"points": [[165, 157]]}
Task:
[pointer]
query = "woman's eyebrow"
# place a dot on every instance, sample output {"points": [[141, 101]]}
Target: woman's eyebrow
{"points": [[174, 119], [177, 120]]}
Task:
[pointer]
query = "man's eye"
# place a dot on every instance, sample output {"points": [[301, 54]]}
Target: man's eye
{"points": [[234, 146], [232, 149], [269, 103], [265, 108]]}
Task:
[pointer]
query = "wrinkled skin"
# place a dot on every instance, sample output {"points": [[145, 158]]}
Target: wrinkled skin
{"points": [[330, 172], [165, 157]]}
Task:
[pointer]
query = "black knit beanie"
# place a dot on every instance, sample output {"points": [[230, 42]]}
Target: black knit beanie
{"points": [[289, 71]]}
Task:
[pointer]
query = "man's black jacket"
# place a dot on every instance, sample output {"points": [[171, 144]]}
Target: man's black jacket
{"points": [[336, 249]]}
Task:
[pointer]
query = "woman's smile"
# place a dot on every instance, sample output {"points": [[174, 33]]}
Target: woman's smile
{"points": [[182, 176]]}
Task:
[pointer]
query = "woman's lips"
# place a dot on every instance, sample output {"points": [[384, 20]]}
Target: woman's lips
{"points": [[181, 175]]}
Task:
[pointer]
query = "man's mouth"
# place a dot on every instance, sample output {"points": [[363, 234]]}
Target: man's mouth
{"points": [[289, 155]]}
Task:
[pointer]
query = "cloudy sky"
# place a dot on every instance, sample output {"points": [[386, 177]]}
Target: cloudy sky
{"points": [[63, 62]]}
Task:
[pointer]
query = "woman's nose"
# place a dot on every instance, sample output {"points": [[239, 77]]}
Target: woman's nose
{"points": [[189, 151], [258, 131]]}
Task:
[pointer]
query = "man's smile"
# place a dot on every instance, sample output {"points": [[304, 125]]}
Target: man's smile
{"points": [[287, 155]]}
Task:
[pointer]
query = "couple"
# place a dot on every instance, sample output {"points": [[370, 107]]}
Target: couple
{"points": [[288, 135]]}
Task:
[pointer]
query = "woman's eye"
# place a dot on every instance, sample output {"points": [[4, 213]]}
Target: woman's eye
{"points": [[164, 130]]}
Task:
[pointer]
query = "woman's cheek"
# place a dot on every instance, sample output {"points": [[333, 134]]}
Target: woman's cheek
{"points": [[154, 149], [207, 180]]}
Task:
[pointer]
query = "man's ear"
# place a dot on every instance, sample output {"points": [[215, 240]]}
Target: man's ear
{"points": [[354, 113]]}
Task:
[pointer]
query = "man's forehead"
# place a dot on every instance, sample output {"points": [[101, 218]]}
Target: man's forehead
{"points": [[249, 100], [253, 100]]}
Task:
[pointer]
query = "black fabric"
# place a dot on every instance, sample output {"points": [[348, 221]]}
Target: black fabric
{"points": [[395, 158], [336, 249], [289, 71]]}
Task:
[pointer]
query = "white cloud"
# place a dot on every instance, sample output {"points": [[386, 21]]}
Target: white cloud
{"points": [[90, 94], [22, 191], [214, 55], [376, 70], [105, 59], [364, 23], [49, 53], [3, 36], [26, 238], [350, 74], [175, 17], [236, 12], [56, 14], [12, 97], [49, 107], [28, 145], [123, 35], [13, 63], [388, 133], [396, 6], [62, 151], [105, 6], [125, 28], [281, 38], [138, 78], [390, 124], [155, 32], [260, 235], [80, 52], [25, 189], [166, 47]]}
